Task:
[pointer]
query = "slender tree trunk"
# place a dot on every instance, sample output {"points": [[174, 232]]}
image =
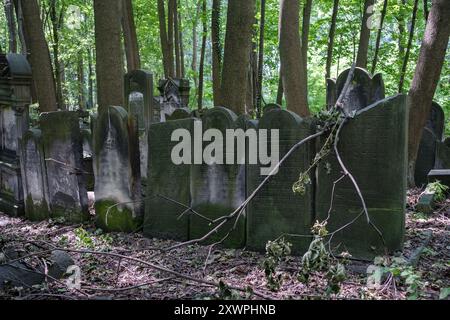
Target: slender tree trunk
{"points": [[10, 19], [20, 26], [259, 81], [183, 71], [202, 57], [238, 44], [401, 32], [426, 12], [56, 24], [216, 49], [408, 48], [331, 39], [194, 48], [109, 55], [305, 33], [170, 38], [177, 39], [377, 45], [426, 76], [167, 61], [293, 74], [40, 57], [90, 80], [130, 37], [80, 75], [364, 38], [280, 90]]}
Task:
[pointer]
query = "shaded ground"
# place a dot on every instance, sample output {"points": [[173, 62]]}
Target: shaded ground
{"points": [[110, 277]]}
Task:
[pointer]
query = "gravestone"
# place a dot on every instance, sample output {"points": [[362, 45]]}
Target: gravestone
{"points": [[168, 188], [63, 151], [373, 146], [35, 188], [431, 137], [276, 210], [88, 170], [271, 106], [363, 90], [217, 189], [174, 94], [443, 155], [15, 97], [443, 176], [118, 203], [331, 93], [179, 114]]}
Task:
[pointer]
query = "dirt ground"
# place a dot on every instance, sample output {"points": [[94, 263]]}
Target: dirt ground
{"points": [[113, 277]]}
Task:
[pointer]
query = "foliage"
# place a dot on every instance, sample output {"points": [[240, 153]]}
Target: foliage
{"points": [[438, 189], [276, 251]]}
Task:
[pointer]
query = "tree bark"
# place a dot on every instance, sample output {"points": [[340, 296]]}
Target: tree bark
{"points": [[216, 50], [39, 57], [20, 26], [167, 62], [109, 55], [238, 44], [80, 76], [56, 20], [183, 72], [377, 45], [408, 47], [202, 58], [130, 37], [10, 19], [170, 38], [363, 48], [331, 39], [90, 80], [280, 90], [292, 72], [305, 33], [426, 12], [426, 76], [176, 28], [262, 24]]}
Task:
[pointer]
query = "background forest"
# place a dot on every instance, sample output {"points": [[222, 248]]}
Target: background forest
{"points": [[70, 34]]}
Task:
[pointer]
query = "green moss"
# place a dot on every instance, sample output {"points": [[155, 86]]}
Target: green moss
{"points": [[36, 212], [69, 215], [119, 219]]}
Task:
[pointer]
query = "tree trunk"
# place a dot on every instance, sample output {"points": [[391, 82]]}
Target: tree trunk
{"points": [[130, 37], [176, 28], [216, 49], [305, 33], [170, 38], [426, 12], [20, 26], [183, 72], [194, 48], [377, 45], [408, 47], [202, 58], [426, 76], [39, 57], [331, 39], [10, 19], [280, 90], [259, 94], [363, 48], [109, 55], [90, 80], [80, 76], [238, 44], [292, 72], [56, 20], [167, 61]]}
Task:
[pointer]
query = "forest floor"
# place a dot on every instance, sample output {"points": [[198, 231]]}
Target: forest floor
{"points": [[113, 277]]}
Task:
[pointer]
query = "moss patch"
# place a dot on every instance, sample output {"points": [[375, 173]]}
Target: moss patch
{"points": [[117, 219]]}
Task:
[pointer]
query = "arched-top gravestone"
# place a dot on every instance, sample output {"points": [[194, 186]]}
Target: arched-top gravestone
{"points": [[117, 178], [217, 186], [179, 114], [276, 210], [363, 91], [271, 106]]}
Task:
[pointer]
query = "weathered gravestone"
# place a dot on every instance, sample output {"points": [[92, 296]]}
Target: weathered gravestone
{"points": [[118, 203], [373, 146], [88, 169], [168, 187], [443, 155], [34, 175], [15, 97], [63, 153], [271, 106], [363, 91], [174, 94], [218, 188], [276, 210], [431, 137]]}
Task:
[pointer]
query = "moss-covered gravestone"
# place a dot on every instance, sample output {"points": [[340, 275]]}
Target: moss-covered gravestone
{"points": [[276, 210], [373, 146], [34, 175], [168, 187], [118, 203], [63, 153], [432, 135], [218, 188]]}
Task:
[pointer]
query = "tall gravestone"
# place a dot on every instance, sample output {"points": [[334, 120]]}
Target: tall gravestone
{"points": [[168, 189], [218, 188], [363, 91], [373, 146], [431, 137], [63, 153], [276, 210], [15, 97], [34, 175], [118, 201]]}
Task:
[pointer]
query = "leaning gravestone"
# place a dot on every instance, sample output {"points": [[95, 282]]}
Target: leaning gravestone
{"points": [[373, 146], [276, 210], [363, 91], [34, 177], [431, 137], [168, 187], [63, 152], [117, 179], [218, 188]]}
